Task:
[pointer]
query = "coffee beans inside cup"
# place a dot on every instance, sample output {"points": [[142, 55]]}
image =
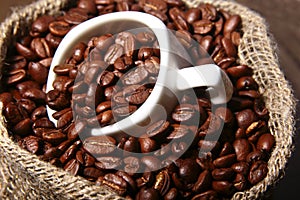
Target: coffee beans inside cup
{"points": [[207, 168]]}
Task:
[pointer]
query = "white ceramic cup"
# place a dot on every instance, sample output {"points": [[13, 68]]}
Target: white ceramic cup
{"points": [[171, 80]]}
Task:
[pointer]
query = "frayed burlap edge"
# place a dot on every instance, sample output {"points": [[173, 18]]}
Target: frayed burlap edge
{"points": [[26, 177]]}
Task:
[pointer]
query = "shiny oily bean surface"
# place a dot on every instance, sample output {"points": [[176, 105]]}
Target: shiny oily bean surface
{"points": [[87, 86]]}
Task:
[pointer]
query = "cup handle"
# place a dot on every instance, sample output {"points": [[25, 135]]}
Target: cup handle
{"points": [[219, 85]]}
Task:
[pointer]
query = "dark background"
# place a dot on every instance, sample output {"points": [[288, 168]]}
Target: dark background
{"points": [[283, 19]]}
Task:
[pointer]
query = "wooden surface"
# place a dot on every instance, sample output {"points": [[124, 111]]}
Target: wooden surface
{"points": [[284, 20]]}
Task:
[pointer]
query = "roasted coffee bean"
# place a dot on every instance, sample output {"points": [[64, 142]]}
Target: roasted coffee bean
{"points": [[158, 129], [245, 118], [265, 142], [242, 148], [36, 95], [32, 143], [228, 47], [38, 72], [131, 145], [23, 127], [162, 182], [70, 152], [135, 76], [53, 40], [41, 48], [15, 76], [171, 194], [84, 158], [115, 182], [92, 172], [23, 86], [179, 131], [145, 37], [72, 166], [151, 162], [88, 5], [239, 71], [225, 161], [222, 174], [203, 182], [189, 170], [153, 5], [99, 144], [59, 28], [231, 24], [241, 168], [129, 179], [26, 106], [108, 162], [115, 51], [255, 156], [127, 40], [192, 15], [223, 187], [57, 100], [75, 16], [25, 51], [54, 137], [240, 182], [148, 193], [131, 164], [65, 120], [210, 194], [203, 26], [40, 25], [183, 112], [246, 83], [147, 144], [62, 83], [208, 12], [178, 18], [258, 171]]}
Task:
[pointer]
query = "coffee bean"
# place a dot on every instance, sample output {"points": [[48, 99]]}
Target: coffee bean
{"points": [[203, 26], [232, 23], [183, 112], [92, 172], [15, 76], [151, 162], [32, 144], [147, 144], [40, 25], [88, 5], [132, 164], [171, 194], [179, 19], [99, 144], [225, 161], [57, 100], [158, 129], [70, 152], [25, 51], [59, 28], [210, 194], [108, 162], [75, 16], [208, 12], [258, 171], [189, 170], [55, 137], [162, 182], [127, 40], [72, 167], [41, 48], [153, 5], [223, 187], [148, 193], [115, 182], [192, 15], [222, 174], [135, 76], [23, 127], [245, 118], [85, 159], [203, 182], [242, 148], [265, 142]]}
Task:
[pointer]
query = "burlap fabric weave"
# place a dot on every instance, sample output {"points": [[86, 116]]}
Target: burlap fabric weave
{"points": [[24, 176]]}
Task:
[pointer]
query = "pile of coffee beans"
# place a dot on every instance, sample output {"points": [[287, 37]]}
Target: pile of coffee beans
{"points": [[207, 168], [111, 74]]}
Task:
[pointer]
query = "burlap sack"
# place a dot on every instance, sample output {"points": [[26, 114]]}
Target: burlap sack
{"points": [[24, 176]]}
